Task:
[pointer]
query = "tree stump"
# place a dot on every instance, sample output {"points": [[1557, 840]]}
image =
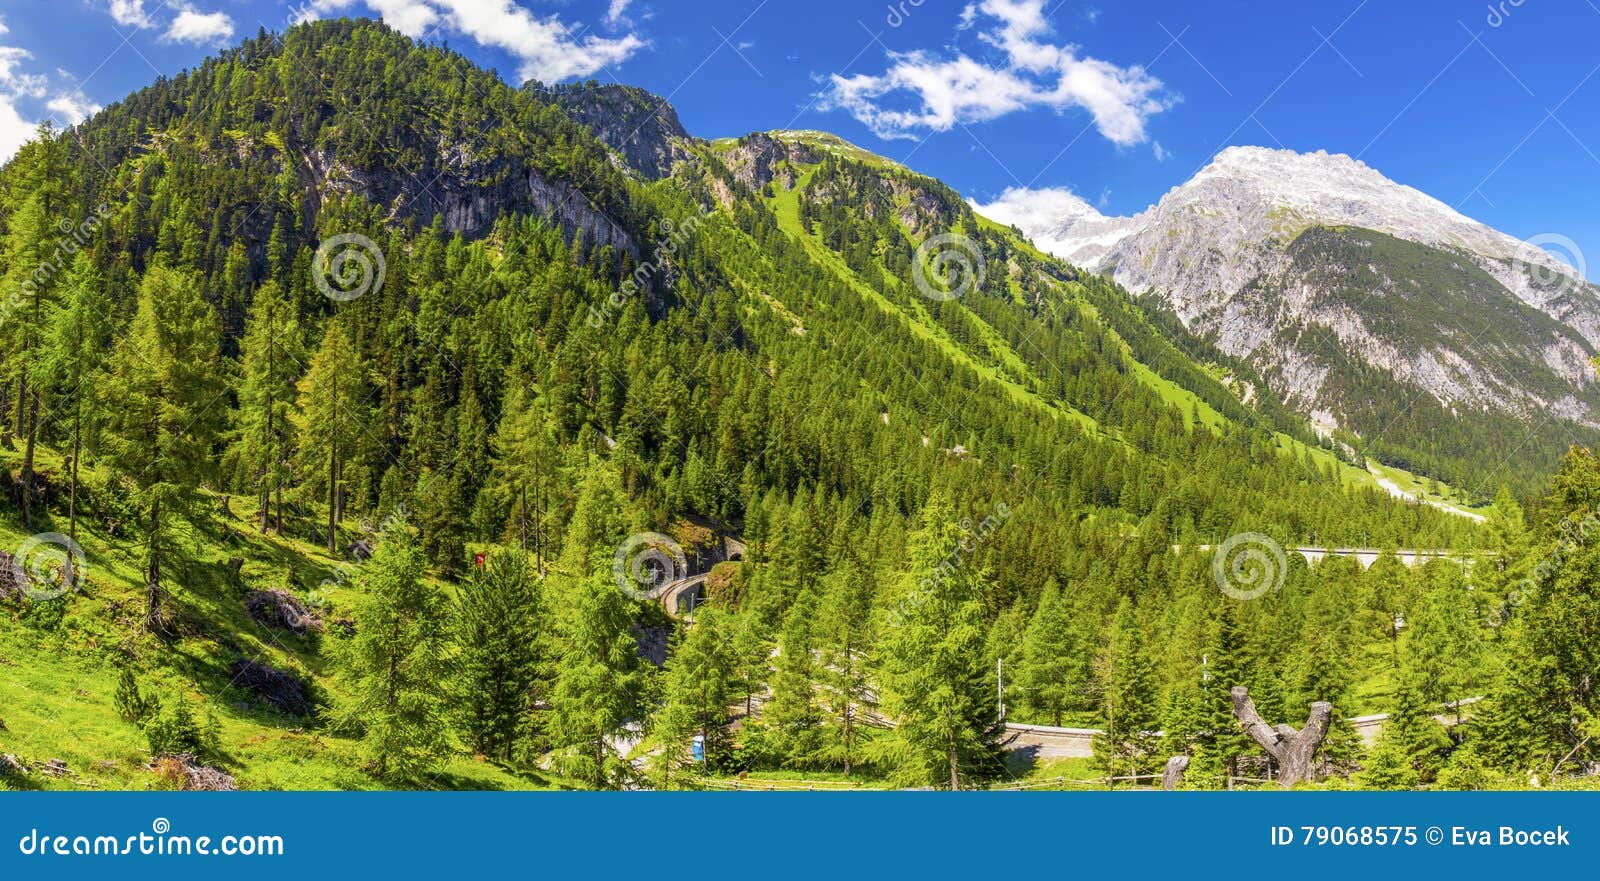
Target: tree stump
{"points": [[1294, 751], [1172, 775]]}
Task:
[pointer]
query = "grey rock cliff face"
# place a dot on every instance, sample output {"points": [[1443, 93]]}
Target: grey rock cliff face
{"points": [[642, 128], [467, 193], [1234, 252]]}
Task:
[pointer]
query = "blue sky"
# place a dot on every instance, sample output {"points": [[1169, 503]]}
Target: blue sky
{"points": [[1492, 109]]}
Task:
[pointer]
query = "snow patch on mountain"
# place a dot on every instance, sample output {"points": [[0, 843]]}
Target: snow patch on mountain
{"points": [[1209, 237]]}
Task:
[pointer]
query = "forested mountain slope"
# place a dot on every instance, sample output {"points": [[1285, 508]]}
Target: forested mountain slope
{"points": [[909, 414]]}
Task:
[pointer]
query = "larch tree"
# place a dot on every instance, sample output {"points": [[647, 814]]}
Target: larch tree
{"points": [[598, 683], [500, 661], [697, 687], [845, 634], [1544, 707], [28, 289], [1128, 702], [936, 686], [272, 357], [395, 660], [525, 463], [1441, 639], [330, 416], [78, 340], [792, 718], [1051, 666], [163, 409]]}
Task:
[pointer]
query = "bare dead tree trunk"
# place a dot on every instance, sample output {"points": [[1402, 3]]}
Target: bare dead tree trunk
{"points": [[1294, 751], [1172, 775]]}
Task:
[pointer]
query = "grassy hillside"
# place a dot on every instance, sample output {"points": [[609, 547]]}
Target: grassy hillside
{"points": [[62, 661]]}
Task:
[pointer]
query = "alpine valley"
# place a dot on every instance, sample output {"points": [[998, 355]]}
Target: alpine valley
{"points": [[372, 422]]}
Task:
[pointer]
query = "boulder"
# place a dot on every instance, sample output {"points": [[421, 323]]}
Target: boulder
{"points": [[280, 610], [285, 691]]}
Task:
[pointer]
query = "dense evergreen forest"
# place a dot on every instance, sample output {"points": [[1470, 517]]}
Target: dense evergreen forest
{"points": [[358, 518]]}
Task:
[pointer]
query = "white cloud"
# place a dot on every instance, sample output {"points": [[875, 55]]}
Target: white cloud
{"points": [[921, 92], [414, 18], [548, 48], [1019, 206], [200, 28], [65, 105], [10, 79], [131, 13], [14, 130], [71, 108]]}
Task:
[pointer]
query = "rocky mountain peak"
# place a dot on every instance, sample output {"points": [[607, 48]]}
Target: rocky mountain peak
{"points": [[642, 127], [1322, 272]]}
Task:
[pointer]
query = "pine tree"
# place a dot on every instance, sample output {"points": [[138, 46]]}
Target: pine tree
{"points": [[330, 416], [526, 457], [936, 686], [793, 717], [1051, 663], [1387, 766], [28, 289], [499, 660], [1128, 698], [1226, 664], [395, 660], [696, 690], [598, 681], [163, 410], [845, 634], [1441, 646], [272, 356]]}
